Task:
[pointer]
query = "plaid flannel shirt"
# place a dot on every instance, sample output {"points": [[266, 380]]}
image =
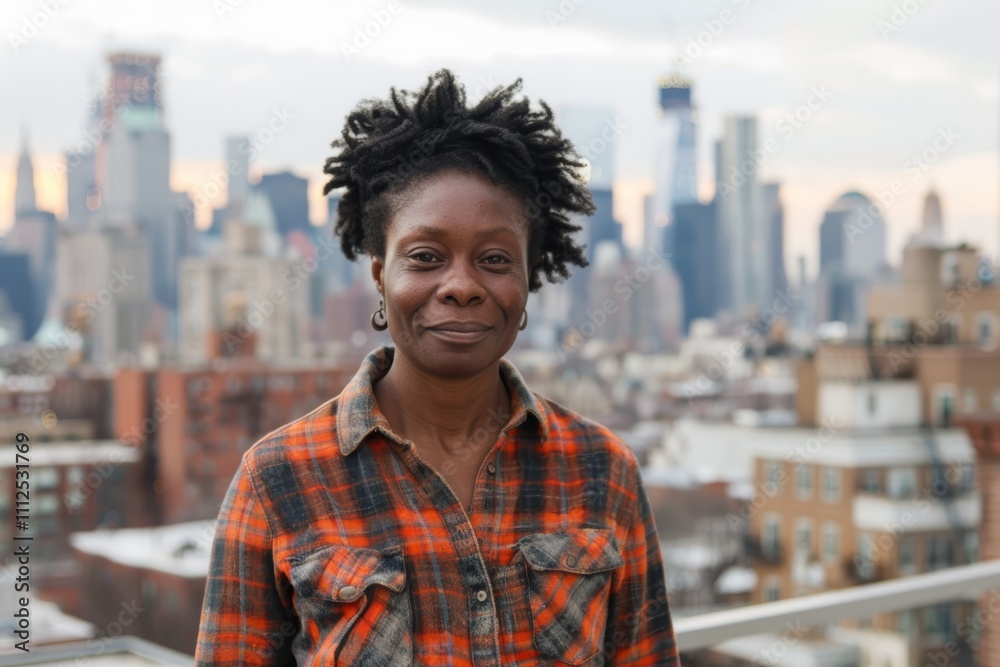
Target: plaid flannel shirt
{"points": [[337, 545]]}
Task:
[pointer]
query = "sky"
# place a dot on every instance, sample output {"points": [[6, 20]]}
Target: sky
{"points": [[873, 85]]}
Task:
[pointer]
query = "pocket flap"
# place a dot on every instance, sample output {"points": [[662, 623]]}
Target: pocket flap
{"points": [[342, 573], [581, 550]]}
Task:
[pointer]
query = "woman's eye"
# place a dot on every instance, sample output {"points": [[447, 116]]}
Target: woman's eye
{"points": [[423, 257], [496, 259]]}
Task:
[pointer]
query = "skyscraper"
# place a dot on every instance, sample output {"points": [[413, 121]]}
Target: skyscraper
{"points": [[34, 234], [288, 195], [83, 197], [24, 193], [851, 256], [675, 172], [593, 133], [745, 243], [695, 259], [932, 227], [774, 220]]}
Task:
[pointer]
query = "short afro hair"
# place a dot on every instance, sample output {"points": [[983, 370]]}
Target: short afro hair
{"points": [[388, 146]]}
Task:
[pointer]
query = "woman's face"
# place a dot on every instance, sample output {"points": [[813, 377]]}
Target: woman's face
{"points": [[455, 273]]}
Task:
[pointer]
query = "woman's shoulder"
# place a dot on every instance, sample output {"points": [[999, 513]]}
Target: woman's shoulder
{"points": [[298, 440], [566, 426]]}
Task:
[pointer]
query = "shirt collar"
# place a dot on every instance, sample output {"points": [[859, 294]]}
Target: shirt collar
{"points": [[358, 414]]}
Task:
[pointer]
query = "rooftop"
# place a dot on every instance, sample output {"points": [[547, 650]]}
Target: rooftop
{"points": [[181, 549]]}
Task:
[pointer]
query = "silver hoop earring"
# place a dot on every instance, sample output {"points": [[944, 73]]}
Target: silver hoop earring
{"points": [[524, 321], [379, 320]]}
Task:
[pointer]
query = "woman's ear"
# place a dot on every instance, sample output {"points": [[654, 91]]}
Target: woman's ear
{"points": [[378, 273]]}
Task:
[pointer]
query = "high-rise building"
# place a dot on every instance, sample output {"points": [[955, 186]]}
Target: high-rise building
{"points": [[83, 197], [695, 254], [774, 218], [103, 291], [593, 132], [851, 257], [132, 169], [674, 170], [246, 292], [24, 192], [289, 200], [745, 232], [34, 234]]}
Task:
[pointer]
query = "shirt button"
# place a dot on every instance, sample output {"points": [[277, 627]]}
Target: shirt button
{"points": [[481, 595], [347, 591], [571, 561], [491, 467]]}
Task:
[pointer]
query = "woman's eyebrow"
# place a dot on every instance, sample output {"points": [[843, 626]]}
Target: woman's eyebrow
{"points": [[427, 230]]}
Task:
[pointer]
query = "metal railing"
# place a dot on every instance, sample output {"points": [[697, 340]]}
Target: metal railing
{"points": [[919, 590]]}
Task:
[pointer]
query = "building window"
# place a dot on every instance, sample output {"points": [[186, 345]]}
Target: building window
{"points": [[46, 478], [996, 399], [74, 476], [907, 556], [771, 536], [971, 547], [939, 553], [831, 543], [803, 481], [772, 590], [937, 624], [872, 402], [47, 504], [870, 481], [970, 400], [902, 482], [831, 485], [944, 404], [772, 475], [905, 624], [986, 330], [867, 556], [803, 536]]}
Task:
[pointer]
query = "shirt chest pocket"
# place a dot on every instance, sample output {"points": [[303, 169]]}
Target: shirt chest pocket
{"points": [[353, 606], [568, 576]]}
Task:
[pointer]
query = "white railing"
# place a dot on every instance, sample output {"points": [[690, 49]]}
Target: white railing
{"points": [[919, 590]]}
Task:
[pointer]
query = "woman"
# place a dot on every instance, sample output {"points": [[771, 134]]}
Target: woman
{"points": [[437, 511]]}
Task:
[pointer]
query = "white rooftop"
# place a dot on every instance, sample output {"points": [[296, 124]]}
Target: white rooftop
{"points": [[48, 623], [78, 452], [181, 549]]}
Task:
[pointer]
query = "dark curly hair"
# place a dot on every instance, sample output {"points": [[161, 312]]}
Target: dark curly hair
{"points": [[388, 146]]}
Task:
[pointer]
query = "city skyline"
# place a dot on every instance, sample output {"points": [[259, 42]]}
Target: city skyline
{"points": [[860, 136]]}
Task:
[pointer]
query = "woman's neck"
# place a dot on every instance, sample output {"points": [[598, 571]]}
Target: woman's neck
{"points": [[443, 412]]}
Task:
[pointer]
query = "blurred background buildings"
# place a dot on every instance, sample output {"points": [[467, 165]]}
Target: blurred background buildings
{"points": [[798, 433]]}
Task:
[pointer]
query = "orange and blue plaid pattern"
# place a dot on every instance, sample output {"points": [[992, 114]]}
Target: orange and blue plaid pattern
{"points": [[337, 545]]}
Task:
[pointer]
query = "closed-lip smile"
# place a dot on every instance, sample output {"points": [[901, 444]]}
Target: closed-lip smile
{"points": [[460, 327]]}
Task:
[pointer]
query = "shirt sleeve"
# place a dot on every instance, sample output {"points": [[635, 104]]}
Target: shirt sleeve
{"points": [[245, 620], [639, 630]]}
